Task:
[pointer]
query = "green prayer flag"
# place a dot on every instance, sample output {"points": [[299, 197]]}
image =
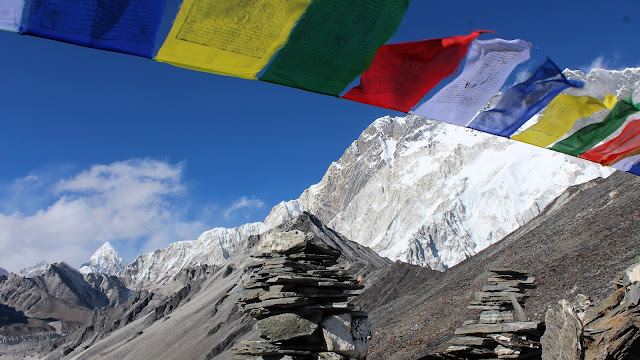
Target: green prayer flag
{"points": [[334, 42], [590, 135]]}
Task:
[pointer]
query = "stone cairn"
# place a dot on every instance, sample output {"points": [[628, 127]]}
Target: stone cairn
{"points": [[300, 300], [502, 330]]}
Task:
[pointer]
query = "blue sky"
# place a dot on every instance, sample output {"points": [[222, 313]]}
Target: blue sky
{"points": [[98, 146]]}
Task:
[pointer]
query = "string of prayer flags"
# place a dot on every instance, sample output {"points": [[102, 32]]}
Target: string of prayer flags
{"points": [[563, 111], [590, 135], [333, 43], [10, 14], [521, 101], [126, 26], [230, 37], [402, 74], [624, 145], [488, 65]]}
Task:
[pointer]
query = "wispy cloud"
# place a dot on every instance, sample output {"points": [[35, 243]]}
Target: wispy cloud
{"points": [[523, 75], [134, 201], [243, 207], [598, 63]]}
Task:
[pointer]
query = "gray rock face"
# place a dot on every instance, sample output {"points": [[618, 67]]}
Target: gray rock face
{"points": [[563, 337]]}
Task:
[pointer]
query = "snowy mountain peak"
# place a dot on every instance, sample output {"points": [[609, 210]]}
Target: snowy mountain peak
{"points": [[35, 270], [3, 272], [104, 261]]}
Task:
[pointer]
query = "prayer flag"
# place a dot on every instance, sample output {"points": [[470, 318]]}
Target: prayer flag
{"points": [[10, 14], [521, 101], [488, 65], [127, 26], [627, 163], [401, 74], [333, 43], [559, 117], [624, 145], [635, 169], [590, 135], [230, 37]]}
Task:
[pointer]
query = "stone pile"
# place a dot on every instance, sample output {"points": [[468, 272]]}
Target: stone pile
{"points": [[300, 300], [608, 330], [502, 331]]}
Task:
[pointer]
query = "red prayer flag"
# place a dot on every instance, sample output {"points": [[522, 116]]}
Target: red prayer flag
{"points": [[624, 145], [402, 74]]}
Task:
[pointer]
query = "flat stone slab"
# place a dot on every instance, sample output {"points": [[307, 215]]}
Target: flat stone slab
{"points": [[471, 341], [281, 303], [524, 281], [285, 326], [257, 348], [527, 326]]}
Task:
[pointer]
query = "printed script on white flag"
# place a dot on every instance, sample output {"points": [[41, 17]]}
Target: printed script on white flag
{"points": [[10, 14], [489, 63]]}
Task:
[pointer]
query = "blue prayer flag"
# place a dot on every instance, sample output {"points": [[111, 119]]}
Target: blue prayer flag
{"points": [[521, 101], [635, 169], [126, 26]]}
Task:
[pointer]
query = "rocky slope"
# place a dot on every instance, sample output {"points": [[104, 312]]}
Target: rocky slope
{"points": [[582, 240], [198, 311], [59, 299]]}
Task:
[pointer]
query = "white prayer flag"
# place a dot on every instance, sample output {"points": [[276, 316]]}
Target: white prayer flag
{"points": [[10, 14], [627, 163], [489, 63]]}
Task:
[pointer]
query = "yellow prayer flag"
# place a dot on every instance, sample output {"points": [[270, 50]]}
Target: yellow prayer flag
{"points": [[563, 111], [610, 101], [230, 37]]}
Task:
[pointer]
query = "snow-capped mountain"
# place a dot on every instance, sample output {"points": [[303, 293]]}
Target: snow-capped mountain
{"points": [[434, 194], [35, 270], [3, 272], [211, 248], [104, 261]]}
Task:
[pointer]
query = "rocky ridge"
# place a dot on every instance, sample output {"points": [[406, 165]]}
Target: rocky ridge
{"points": [[198, 307]]}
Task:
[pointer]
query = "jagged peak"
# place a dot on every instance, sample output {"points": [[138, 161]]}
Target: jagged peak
{"points": [[35, 270], [105, 260]]}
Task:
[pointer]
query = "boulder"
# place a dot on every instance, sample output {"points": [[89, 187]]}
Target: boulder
{"points": [[346, 335], [282, 241], [563, 337]]}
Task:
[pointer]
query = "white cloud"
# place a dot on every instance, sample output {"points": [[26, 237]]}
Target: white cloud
{"points": [[133, 200], [597, 63], [523, 75], [244, 205]]}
